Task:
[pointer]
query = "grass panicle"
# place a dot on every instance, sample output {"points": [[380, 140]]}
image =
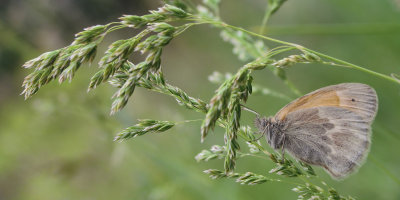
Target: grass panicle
{"points": [[145, 126], [216, 152], [155, 31], [310, 191], [248, 178], [285, 167], [244, 46], [165, 13]]}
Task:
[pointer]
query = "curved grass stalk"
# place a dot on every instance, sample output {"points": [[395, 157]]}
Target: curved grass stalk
{"points": [[336, 60], [304, 49]]}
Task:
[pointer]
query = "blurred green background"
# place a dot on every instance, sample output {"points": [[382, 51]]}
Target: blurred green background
{"points": [[59, 144]]}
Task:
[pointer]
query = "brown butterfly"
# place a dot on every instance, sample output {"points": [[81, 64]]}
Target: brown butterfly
{"points": [[330, 127]]}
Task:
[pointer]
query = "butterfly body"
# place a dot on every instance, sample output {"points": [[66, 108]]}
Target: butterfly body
{"points": [[330, 127], [273, 131]]}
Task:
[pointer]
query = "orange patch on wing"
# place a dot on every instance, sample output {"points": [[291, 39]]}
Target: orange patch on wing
{"points": [[315, 99]]}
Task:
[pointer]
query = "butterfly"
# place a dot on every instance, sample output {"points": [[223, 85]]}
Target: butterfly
{"points": [[329, 127]]}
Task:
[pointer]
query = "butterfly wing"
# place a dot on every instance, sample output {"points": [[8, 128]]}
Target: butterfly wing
{"points": [[330, 127], [357, 97], [332, 137]]}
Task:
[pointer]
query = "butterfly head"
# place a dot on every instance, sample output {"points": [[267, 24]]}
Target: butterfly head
{"points": [[271, 130]]}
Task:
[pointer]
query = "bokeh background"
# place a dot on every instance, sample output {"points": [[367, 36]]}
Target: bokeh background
{"points": [[59, 144]]}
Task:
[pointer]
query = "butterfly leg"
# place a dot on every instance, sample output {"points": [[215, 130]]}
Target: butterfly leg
{"points": [[262, 133], [255, 140], [283, 149]]}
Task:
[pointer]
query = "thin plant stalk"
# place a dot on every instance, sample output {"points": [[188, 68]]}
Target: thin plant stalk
{"points": [[344, 63]]}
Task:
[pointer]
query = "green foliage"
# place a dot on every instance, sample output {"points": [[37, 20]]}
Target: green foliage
{"points": [[157, 29]]}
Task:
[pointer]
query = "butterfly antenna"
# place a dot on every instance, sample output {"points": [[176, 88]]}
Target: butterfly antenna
{"points": [[252, 111], [255, 140], [248, 109]]}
